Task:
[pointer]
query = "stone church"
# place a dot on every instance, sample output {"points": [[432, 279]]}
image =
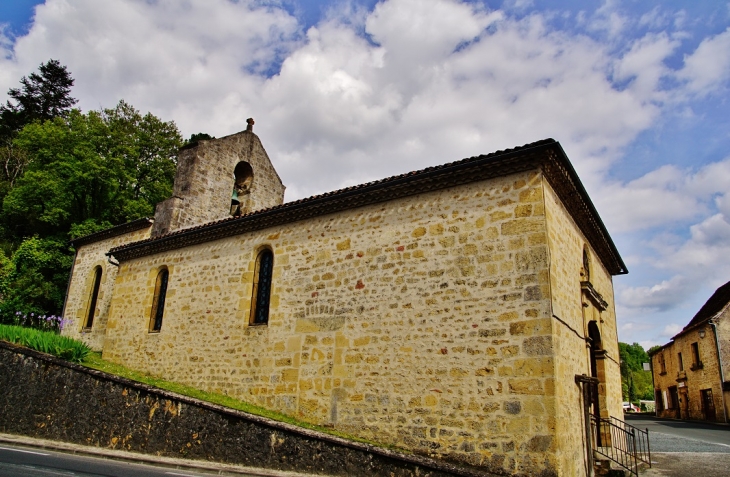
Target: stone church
{"points": [[446, 311]]}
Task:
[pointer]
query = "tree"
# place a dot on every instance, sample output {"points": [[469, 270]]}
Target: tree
{"points": [[635, 382], [43, 96], [34, 279], [103, 167], [85, 173]]}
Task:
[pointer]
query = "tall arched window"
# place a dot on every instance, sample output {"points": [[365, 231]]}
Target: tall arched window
{"points": [[262, 288], [158, 301], [93, 297]]}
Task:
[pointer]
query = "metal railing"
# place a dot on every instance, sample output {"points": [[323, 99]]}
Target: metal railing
{"points": [[621, 443]]}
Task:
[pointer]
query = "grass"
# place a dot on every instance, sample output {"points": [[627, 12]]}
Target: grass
{"points": [[93, 360], [46, 342]]}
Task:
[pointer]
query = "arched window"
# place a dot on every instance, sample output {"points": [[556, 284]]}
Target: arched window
{"points": [[262, 288], [96, 284], [158, 301]]}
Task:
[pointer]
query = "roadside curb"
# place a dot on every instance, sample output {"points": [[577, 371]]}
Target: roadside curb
{"points": [[673, 419], [124, 456]]}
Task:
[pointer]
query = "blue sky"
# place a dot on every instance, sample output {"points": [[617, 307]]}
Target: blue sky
{"points": [[344, 92]]}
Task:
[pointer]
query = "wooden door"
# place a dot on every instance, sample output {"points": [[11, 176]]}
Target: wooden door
{"points": [[708, 404]]}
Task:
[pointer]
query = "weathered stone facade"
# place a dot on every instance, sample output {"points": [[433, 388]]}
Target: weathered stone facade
{"points": [[445, 311], [205, 177], [90, 255], [690, 378]]}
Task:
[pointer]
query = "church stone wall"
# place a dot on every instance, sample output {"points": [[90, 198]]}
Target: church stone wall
{"points": [[423, 322], [204, 182], [88, 257], [572, 355]]}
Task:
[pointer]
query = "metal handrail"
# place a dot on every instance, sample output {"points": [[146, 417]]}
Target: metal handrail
{"points": [[623, 443]]}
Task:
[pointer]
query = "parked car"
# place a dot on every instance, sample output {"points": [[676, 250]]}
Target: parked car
{"points": [[628, 407]]}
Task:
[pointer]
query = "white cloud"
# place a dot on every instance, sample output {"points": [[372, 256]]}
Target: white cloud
{"points": [[708, 67], [665, 196], [644, 65], [185, 60], [671, 330], [661, 296], [609, 19]]}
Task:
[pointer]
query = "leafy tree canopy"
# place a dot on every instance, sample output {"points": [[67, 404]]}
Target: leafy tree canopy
{"points": [[103, 167], [635, 382], [42, 96]]}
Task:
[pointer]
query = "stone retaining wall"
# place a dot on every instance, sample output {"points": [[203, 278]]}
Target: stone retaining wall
{"points": [[44, 397]]}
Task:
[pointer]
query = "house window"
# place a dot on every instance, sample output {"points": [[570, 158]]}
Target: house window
{"points": [[93, 298], [662, 364], [696, 363], [262, 288], [672, 398], [158, 302], [681, 364]]}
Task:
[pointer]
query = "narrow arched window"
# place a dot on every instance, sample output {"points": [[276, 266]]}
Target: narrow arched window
{"points": [[93, 297], [158, 302], [262, 288]]}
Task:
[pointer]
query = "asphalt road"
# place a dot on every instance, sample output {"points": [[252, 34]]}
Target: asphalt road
{"points": [[685, 448], [17, 461], [666, 435]]}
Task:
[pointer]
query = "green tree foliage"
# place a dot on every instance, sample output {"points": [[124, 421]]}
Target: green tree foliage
{"points": [[95, 169], [83, 173], [33, 280], [635, 382], [42, 96], [195, 138]]}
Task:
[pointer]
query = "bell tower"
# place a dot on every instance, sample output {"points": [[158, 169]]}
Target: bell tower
{"points": [[219, 178]]}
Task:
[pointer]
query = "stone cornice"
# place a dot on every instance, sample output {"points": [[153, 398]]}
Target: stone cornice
{"points": [[547, 156], [593, 295]]}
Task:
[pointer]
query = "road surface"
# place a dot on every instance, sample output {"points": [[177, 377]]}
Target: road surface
{"points": [[21, 461], [685, 448]]}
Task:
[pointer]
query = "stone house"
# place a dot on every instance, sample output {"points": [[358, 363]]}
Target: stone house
{"points": [[446, 311], [689, 371]]}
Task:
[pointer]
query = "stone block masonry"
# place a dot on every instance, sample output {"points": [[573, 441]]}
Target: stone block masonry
{"points": [[423, 323], [444, 311], [88, 257], [44, 397]]}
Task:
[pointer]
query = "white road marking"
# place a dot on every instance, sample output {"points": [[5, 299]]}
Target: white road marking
{"points": [[23, 451]]}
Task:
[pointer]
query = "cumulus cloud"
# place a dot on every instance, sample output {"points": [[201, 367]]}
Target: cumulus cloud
{"points": [[665, 196], [661, 296], [671, 330], [184, 60], [708, 66]]}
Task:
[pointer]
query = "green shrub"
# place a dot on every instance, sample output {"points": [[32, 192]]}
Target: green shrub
{"points": [[46, 342]]}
